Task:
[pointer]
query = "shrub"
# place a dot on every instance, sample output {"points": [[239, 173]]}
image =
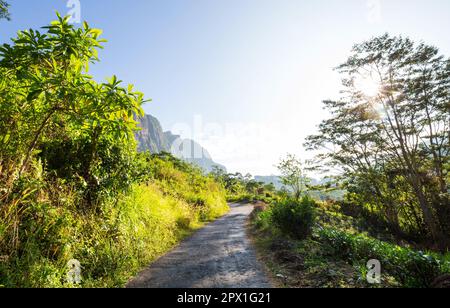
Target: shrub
{"points": [[262, 217], [411, 268], [294, 218], [113, 243], [72, 184]]}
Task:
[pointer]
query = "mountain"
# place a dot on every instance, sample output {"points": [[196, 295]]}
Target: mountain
{"points": [[152, 138], [272, 179], [321, 195], [276, 180]]}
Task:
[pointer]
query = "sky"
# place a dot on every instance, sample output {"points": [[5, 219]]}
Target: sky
{"points": [[244, 78]]}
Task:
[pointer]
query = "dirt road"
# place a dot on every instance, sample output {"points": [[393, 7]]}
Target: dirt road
{"points": [[217, 256]]}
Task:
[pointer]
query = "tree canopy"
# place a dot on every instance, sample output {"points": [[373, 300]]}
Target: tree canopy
{"points": [[392, 144], [4, 10], [293, 175], [51, 109]]}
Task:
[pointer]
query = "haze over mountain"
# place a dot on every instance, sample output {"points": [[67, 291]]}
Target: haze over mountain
{"points": [[153, 138]]}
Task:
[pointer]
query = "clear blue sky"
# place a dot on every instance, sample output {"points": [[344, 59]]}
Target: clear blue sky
{"points": [[246, 77]]}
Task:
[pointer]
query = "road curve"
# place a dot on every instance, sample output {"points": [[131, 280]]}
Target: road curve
{"points": [[218, 256]]}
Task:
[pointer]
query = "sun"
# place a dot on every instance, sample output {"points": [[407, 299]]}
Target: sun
{"points": [[368, 86]]}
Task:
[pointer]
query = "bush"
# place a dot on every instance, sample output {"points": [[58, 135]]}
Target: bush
{"points": [[262, 217], [72, 184], [113, 243], [294, 218], [411, 268]]}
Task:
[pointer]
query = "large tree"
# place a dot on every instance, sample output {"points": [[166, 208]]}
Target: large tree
{"points": [[390, 133], [50, 106]]}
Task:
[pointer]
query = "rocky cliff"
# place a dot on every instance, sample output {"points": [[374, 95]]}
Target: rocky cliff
{"points": [[152, 138]]}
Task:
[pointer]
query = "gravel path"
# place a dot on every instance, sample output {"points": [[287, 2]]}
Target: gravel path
{"points": [[218, 256]]}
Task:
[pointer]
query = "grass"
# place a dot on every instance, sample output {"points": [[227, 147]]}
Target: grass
{"points": [[150, 224], [336, 254], [114, 243], [302, 263], [250, 198], [410, 268]]}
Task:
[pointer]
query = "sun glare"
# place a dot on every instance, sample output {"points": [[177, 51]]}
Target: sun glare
{"points": [[368, 86]]}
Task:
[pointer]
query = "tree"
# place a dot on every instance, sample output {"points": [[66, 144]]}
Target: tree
{"points": [[48, 102], [390, 134], [269, 187], [293, 175], [4, 10]]}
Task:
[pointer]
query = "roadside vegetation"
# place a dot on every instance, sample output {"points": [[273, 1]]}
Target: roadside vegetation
{"points": [[389, 137], [244, 189], [72, 185], [324, 247], [387, 140]]}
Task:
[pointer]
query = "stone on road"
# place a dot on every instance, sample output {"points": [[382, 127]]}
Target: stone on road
{"points": [[218, 256]]}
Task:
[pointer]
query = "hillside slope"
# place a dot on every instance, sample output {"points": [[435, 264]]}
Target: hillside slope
{"points": [[172, 200]]}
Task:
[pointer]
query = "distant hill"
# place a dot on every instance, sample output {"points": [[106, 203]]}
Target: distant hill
{"points": [[332, 194], [153, 138], [271, 179]]}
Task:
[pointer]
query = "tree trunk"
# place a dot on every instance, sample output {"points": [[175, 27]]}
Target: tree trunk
{"points": [[34, 142], [428, 215]]}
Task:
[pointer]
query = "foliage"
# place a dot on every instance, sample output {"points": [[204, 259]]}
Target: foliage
{"points": [[263, 219], [293, 175], [50, 104], [392, 147], [187, 182], [411, 268], [294, 217], [72, 184], [242, 188], [115, 242], [4, 10], [336, 237]]}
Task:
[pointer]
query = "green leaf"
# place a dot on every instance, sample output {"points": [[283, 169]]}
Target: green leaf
{"points": [[96, 32], [34, 94], [6, 138]]}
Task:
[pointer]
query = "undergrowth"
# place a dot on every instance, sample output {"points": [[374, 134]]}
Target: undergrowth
{"points": [[337, 251], [115, 242]]}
